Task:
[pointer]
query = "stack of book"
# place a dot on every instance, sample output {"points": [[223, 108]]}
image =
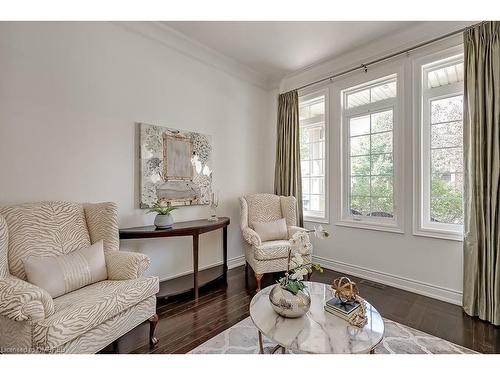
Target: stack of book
{"points": [[341, 309]]}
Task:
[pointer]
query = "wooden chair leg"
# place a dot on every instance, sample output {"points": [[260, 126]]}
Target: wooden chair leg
{"points": [[258, 278], [153, 321], [115, 347]]}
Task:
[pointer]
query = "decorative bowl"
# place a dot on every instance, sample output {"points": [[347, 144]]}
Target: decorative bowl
{"points": [[287, 304]]}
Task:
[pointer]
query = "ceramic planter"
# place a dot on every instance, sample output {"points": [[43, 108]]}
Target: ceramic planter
{"points": [[164, 221]]}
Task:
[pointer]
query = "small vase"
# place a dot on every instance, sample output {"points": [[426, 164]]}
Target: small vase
{"points": [[287, 304], [164, 221]]}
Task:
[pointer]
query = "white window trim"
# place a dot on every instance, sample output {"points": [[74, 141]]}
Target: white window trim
{"points": [[343, 215], [309, 94], [421, 138]]}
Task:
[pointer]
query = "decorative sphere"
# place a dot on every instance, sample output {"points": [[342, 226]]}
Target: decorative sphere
{"points": [[345, 289]]}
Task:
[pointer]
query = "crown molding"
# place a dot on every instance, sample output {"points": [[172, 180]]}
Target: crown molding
{"points": [[384, 46], [174, 40]]}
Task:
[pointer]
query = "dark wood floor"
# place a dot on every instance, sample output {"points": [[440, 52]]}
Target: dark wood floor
{"points": [[185, 324]]}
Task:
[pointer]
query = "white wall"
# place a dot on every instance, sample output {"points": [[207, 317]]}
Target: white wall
{"points": [[70, 94], [425, 265]]}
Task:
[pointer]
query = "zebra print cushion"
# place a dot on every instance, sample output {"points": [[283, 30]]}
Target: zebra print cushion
{"points": [[15, 337], [43, 229], [104, 334], [79, 311]]}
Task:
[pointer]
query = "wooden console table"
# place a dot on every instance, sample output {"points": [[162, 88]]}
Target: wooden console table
{"points": [[186, 228]]}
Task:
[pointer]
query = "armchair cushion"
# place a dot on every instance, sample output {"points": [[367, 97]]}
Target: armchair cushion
{"points": [[272, 230], [79, 311], [125, 265], [62, 274], [21, 301], [272, 250]]}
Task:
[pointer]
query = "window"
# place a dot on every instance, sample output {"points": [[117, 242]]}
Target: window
{"points": [[369, 127], [312, 114], [440, 204]]}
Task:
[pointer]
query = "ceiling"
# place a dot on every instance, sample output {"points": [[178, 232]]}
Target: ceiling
{"points": [[275, 48]]}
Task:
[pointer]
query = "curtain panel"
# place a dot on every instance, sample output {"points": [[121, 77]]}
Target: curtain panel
{"points": [[481, 288], [287, 178]]}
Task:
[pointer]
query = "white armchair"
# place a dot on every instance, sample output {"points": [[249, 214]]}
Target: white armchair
{"points": [[84, 320], [267, 256]]}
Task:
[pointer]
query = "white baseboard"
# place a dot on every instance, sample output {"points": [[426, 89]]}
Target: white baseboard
{"points": [[419, 287], [236, 261], [231, 263]]}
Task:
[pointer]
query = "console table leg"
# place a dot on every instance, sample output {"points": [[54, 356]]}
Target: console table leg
{"points": [[195, 265], [224, 249]]}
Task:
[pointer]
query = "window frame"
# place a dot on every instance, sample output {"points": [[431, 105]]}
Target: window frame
{"points": [[423, 96], [351, 84], [307, 95]]}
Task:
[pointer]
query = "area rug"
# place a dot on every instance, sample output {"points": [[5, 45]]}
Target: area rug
{"points": [[242, 338]]}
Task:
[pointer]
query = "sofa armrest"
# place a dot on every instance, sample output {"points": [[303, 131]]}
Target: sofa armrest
{"points": [[125, 265], [251, 236], [21, 301], [292, 229]]}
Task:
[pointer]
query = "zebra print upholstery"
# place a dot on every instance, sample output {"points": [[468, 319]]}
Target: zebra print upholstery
{"points": [[79, 311], [4, 240], [20, 300], [268, 256], [104, 334], [124, 265], [84, 320], [102, 224]]}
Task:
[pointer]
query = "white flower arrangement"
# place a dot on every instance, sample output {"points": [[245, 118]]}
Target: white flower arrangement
{"points": [[297, 266]]}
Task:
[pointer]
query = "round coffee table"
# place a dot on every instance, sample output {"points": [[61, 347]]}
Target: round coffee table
{"points": [[318, 331]]}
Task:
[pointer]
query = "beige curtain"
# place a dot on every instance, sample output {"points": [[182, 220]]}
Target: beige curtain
{"points": [[481, 295], [287, 180]]}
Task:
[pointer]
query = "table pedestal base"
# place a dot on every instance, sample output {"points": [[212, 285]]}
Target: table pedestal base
{"points": [[273, 350]]}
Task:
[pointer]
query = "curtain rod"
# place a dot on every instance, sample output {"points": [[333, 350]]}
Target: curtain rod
{"points": [[392, 55]]}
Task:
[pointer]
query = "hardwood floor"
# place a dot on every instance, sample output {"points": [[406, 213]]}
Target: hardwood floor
{"points": [[185, 324]]}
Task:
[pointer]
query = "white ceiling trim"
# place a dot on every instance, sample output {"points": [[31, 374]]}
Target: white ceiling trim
{"points": [[181, 43]]}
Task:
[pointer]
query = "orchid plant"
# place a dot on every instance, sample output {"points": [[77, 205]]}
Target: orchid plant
{"points": [[297, 266]]}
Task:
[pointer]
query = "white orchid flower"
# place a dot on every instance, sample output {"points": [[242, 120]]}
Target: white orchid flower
{"points": [[320, 233], [299, 274], [297, 259], [300, 242]]}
